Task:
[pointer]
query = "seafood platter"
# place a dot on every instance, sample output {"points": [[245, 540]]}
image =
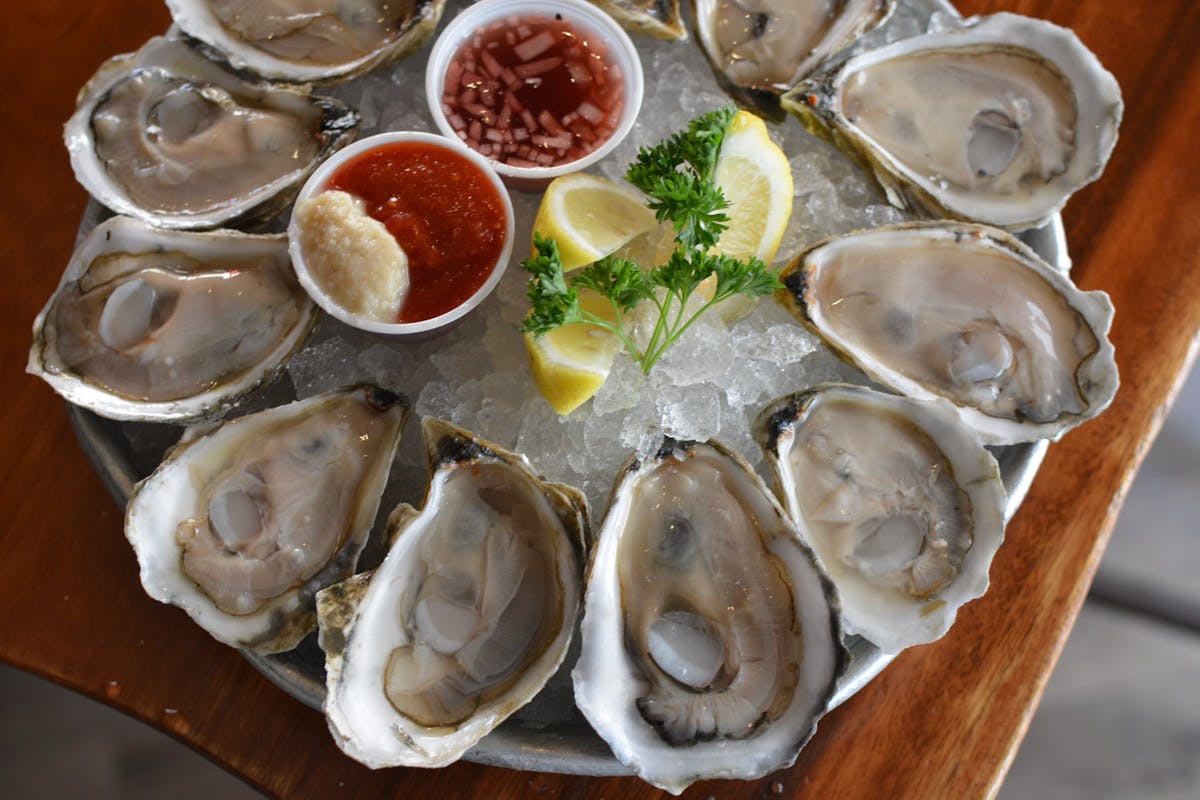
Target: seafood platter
{"points": [[515, 397]]}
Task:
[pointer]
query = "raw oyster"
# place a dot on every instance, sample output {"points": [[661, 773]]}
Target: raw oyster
{"points": [[469, 615], [162, 326], [309, 40], [966, 313], [711, 642], [997, 122], [169, 137], [240, 526], [654, 17], [901, 502], [761, 48]]}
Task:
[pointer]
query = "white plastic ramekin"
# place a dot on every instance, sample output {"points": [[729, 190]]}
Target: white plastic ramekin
{"points": [[317, 184], [586, 16]]}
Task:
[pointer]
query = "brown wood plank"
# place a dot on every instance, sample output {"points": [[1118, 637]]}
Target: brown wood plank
{"points": [[943, 721]]}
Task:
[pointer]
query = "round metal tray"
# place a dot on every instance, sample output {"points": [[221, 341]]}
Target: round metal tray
{"points": [[123, 453]]}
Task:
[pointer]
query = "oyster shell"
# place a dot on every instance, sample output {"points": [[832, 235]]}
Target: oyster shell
{"points": [[309, 40], [900, 501], [761, 48], [997, 122], [169, 326], [241, 525], [658, 18], [966, 313], [169, 137], [710, 636], [469, 615]]}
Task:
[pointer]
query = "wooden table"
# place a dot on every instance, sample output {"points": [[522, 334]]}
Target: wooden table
{"points": [[943, 721]]}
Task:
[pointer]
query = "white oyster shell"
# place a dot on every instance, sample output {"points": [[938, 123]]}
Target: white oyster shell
{"points": [[308, 41], [467, 617], [965, 313], [761, 48], [901, 502], [169, 137], [999, 121], [241, 525], [658, 18], [169, 326], [710, 636]]}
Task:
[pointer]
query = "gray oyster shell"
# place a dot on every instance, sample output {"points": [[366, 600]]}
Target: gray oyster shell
{"points": [[171, 138], [337, 41], [169, 326]]}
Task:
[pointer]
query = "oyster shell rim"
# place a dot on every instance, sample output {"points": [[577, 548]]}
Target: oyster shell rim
{"points": [[205, 405], [339, 126]]}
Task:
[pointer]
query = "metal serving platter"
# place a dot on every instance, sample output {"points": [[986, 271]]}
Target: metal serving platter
{"points": [[549, 735]]}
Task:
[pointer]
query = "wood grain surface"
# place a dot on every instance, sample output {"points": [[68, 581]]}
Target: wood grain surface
{"points": [[943, 721]]}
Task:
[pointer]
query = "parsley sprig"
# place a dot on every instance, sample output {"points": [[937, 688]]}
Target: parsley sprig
{"points": [[678, 176]]}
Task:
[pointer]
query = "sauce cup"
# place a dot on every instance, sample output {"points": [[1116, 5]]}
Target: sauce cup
{"points": [[318, 183], [587, 17]]}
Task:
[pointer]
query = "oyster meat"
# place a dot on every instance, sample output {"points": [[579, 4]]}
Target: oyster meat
{"points": [[711, 642], [169, 326], [966, 313], [169, 137], [658, 18], [901, 502], [998, 122], [469, 615], [309, 40], [241, 525], [761, 48]]}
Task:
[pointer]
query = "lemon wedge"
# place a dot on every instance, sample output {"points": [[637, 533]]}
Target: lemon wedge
{"points": [[569, 364], [756, 178], [590, 217]]}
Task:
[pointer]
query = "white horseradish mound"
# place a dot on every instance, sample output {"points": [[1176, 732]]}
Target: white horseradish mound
{"points": [[352, 256]]}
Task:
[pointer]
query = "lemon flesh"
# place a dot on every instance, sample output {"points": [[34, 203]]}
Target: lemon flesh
{"points": [[569, 364], [590, 217]]}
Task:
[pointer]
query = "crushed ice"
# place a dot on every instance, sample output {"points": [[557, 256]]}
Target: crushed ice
{"points": [[711, 384]]}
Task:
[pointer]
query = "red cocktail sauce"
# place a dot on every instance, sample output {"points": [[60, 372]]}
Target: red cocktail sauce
{"points": [[443, 210]]}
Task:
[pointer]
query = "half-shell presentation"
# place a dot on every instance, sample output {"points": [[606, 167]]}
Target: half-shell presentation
{"points": [[901, 502], [468, 616], [997, 122], [242, 525], [309, 40], [761, 48], [710, 636], [965, 313], [167, 136], [169, 326]]}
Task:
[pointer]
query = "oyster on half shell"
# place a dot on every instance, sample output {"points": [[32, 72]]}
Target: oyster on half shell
{"points": [[999, 121], [169, 137], [901, 502], [169, 326], [309, 40], [241, 525], [711, 642], [658, 18], [761, 48], [467, 617], [965, 313]]}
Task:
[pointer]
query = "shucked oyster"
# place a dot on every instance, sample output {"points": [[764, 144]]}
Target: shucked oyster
{"points": [[761, 48], [309, 40], [901, 502], [996, 122], [171, 138], [710, 637], [169, 326], [468, 616], [656, 17], [965, 313], [242, 525]]}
